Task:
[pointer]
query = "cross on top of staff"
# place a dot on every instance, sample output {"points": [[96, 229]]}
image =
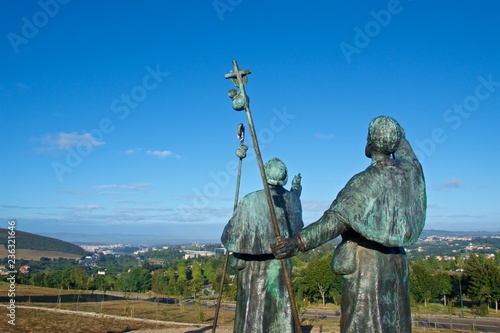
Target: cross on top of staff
{"points": [[238, 76]]}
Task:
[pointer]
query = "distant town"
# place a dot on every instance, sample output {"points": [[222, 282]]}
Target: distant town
{"points": [[194, 251], [118, 249], [441, 247], [449, 247]]}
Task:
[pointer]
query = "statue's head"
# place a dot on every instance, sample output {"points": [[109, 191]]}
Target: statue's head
{"points": [[384, 134], [276, 172]]}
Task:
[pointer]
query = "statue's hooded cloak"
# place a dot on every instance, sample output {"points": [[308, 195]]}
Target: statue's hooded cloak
{"points": [[253, 223], [386, 203]]}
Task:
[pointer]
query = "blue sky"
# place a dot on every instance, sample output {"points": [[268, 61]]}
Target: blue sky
{"points": [[115, 117]]}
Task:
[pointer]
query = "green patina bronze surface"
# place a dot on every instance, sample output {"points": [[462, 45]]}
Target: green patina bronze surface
{"points": [[262, 300], [378, 212]]}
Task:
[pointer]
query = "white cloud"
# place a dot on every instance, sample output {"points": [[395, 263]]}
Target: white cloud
{"points": [[63, 140], [72, 191], [87, 208], [450, 184], [110, 192], [159, 153], [135, 210], [453, 183], [137, 187], [20, 207], [133, 151]]}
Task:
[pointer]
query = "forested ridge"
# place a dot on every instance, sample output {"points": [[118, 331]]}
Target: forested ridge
{"points": [[26, 240]]}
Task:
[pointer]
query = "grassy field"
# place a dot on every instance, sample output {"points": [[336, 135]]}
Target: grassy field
{"points": [[35, 321], [32, 320], [27, 290], [36, 255]]}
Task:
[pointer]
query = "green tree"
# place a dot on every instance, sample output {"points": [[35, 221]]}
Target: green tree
{"points": [[210, 272], [421, 282], [497, 258], [495, 281], [181, 281], [181, 284], [53, 279], [110, 282], [196, 282], [100, 282], [433, 263], [65, 279], [483, 279], [459, 262], [78, 278], [230, 286], [318, 278], [171, 283], [38, 279], [119, 282], [443, 285], [298, 270], [159, 282], [137, 280]]}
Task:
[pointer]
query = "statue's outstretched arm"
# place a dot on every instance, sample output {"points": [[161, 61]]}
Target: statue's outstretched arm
{"points": [[328, 227]]}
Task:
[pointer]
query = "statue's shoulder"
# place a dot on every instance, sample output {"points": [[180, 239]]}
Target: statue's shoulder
{"points": [[252, 198], [361, 179]]}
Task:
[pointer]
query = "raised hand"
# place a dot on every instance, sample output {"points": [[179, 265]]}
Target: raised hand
{"points": [[296, 184]]}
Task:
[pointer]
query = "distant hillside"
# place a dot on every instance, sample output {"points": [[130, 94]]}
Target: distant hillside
{"points": [[445, 233], [26, 240]]}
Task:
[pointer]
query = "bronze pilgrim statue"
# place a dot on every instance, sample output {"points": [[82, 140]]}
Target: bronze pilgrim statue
{"points": [[263, 304], [378, 212]]}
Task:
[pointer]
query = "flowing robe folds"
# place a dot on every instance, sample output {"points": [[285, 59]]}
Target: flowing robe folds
{"points": [[262, 302], [379, 211]]}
